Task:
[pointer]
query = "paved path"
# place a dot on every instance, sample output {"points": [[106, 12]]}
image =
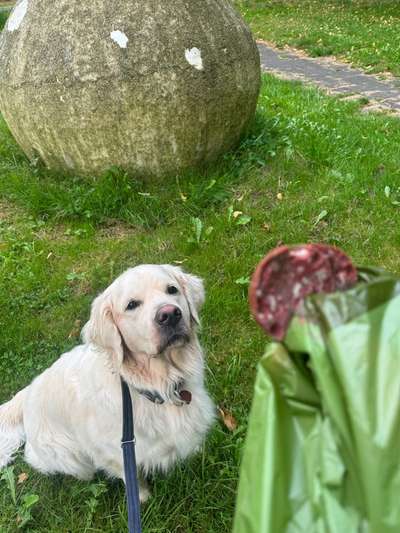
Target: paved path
{"points": [[337, 78]]}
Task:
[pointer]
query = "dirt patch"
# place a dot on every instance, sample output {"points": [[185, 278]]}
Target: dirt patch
{"points": [[52, 233], [115, 229], [8, 211]]}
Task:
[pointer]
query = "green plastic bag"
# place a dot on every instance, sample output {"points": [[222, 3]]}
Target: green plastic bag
{"points": [[322, 453]]}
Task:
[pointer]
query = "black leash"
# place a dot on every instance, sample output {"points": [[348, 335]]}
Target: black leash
{"points": [[128, 450]]}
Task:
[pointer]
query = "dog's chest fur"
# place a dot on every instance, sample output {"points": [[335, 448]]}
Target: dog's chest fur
{"points": [[167, 433]]}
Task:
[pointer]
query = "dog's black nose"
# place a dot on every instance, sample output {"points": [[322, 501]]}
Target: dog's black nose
{"points": [[168, 315]]}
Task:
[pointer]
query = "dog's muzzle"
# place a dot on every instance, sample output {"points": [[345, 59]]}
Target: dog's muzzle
{"points": [[168, 316], [173, 331]]}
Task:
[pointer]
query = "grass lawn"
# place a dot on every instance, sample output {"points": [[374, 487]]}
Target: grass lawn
{"points": [[312, 168], [3, 17], [364, 32]]}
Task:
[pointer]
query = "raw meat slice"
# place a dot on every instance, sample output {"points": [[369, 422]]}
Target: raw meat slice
{"points": [[288, 274]]}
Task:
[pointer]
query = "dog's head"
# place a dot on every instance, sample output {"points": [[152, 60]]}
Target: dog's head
{"points": [[144, 315]]}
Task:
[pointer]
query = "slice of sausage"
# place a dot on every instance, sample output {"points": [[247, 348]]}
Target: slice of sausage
{"points": [[288, 274]]}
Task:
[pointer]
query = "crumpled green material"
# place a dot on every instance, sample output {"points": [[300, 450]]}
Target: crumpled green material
{"points": [[322, 452]]}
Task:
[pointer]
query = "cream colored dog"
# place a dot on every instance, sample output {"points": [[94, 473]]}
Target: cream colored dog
{"points": [[143, 328]]}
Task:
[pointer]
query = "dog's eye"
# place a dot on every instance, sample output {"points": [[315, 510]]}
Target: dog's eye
{"points": [[133, 304], [171, 289]]}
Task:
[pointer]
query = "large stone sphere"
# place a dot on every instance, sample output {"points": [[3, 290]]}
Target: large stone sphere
{"points": [[151, 86]]}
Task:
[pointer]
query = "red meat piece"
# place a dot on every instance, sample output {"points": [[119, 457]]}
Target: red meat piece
{"points": [[288, 274]]}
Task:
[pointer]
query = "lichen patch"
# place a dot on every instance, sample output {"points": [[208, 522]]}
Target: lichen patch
{"points": [[17, 16], [193, 57], [120, 38]]}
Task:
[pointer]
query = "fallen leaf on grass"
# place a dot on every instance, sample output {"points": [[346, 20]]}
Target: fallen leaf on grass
{"points": [[379, 171], [228, 419], [22, 477], [76, 329]]}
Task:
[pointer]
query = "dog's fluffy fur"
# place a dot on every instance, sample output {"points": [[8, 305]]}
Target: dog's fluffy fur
{"points": [[70, 417]]}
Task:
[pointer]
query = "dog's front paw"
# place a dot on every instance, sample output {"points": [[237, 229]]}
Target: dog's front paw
{"points": [[144, 491]]}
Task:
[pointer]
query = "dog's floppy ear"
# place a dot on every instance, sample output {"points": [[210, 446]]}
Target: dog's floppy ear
{"points": [[101, 329], [193, 289]]}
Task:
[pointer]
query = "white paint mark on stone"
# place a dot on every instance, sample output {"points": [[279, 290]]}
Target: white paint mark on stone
{"points": [[120, 38], [17, 16], [193, 57]]}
